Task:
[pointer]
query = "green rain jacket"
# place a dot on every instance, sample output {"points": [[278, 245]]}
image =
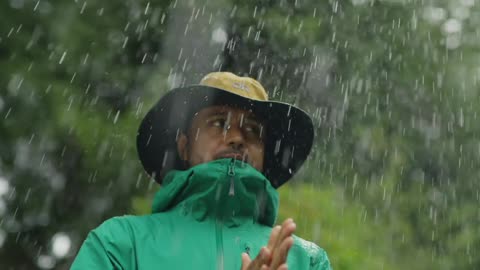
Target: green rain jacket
{"points": [[203, 218]]}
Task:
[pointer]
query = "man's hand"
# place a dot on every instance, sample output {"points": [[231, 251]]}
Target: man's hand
{"points": [[274, 255]]}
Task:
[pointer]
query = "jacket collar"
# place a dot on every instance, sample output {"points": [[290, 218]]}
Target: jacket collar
{"points": [[227, 189]]}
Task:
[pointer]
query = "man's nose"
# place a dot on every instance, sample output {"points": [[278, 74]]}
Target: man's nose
{"points": [[234, 137]]}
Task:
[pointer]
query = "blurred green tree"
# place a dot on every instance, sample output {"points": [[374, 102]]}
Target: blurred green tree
{"points": [[392, 87]]}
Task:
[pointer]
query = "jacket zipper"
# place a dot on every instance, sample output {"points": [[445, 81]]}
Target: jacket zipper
{"points": [[219, 221], [231, 174], [219, 238]]}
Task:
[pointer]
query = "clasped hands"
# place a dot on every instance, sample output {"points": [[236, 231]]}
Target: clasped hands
{"points": [[274, 255]]}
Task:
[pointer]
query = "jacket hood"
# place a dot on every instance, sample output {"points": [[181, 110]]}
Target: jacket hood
{"points": [[227, 189]]}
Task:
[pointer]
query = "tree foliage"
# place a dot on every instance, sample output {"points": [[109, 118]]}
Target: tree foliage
{"points": [[392, 87]]}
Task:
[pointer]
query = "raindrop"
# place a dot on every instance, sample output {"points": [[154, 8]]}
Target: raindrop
{"points": [[115, 119], [162, 20], [83, 7], [146, 8], [335, 7], [85, 59], [73, 77], [70, 103], [196, 134], [100, 11], [461, 119], [165, 158], [241, 120], [257, 35], [124, 42], [19, 28], [139, 109], [27, 196], [234, 10], [62, 58], [277, 146], [36, 5]]}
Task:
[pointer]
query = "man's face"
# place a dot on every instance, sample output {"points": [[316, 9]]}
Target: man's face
{"points": [[223, 132]]}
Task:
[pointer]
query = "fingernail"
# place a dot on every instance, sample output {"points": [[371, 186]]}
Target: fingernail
{"points": [[264, 252]]}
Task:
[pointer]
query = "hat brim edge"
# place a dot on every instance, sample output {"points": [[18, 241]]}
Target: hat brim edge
{"points": [[175, 107]]}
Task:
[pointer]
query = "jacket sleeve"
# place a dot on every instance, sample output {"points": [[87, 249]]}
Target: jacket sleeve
{"points": [[321, 262], [108, 247]]}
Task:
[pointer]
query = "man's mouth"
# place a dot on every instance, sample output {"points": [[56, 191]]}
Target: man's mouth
{"points": [[235, 155]]}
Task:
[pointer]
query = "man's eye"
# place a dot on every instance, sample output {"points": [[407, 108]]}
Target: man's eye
{"points": [[218, 123], [255, 129], [250, 129]]}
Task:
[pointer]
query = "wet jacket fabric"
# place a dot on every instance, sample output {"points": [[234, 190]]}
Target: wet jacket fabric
{"points": [[203, 218]]}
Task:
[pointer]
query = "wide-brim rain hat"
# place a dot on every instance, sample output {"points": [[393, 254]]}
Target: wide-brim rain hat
{"points": [[289, 130]]}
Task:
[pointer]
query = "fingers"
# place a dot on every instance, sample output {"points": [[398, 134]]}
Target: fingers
{"points": [[274, 255], [288, 227], [264, 256], [273, 237], [245, 261], [283, 241], [263, 259], [280, 256]]}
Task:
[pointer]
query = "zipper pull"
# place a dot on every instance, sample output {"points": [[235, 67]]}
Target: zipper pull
{"points": [[231, 173]]}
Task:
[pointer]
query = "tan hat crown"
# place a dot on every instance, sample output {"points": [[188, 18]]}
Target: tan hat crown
{"points": [[243, 86]]}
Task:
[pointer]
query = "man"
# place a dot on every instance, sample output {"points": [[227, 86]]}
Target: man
{"points": [[219, 149]]}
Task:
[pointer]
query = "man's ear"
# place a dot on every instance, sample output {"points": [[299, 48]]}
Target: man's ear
{"points": [[182, 147]]}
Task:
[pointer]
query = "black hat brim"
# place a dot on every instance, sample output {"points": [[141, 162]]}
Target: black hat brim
{"points": [[289, 131]]}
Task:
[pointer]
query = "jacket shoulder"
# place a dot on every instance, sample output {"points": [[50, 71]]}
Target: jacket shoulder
{"points": [[115, 234], [112, 244], [106, 247], [114, 227], [317, 256], [122, 227]]}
